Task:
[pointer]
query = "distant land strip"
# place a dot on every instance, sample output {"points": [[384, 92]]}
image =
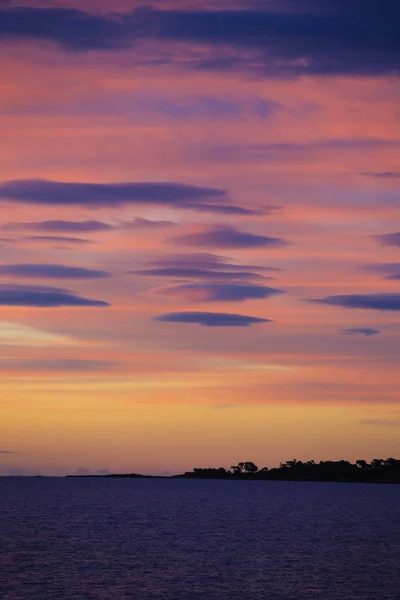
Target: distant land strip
{"points": [[377, 471]]}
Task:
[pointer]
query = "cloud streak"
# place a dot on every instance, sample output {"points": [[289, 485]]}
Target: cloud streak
{"points": [[206, 261], [209, 319], [141, 223], [285, 151], [188, 273], [58, 239], [43, 297], [49, 271], [365, 331], [222, 292], [62, 365], [391, 271], [88, 226], [59, 226], [226, 237], [382, 268], [389, 239], [383, 302], [116, 195], [384, 175], [202, 266]]}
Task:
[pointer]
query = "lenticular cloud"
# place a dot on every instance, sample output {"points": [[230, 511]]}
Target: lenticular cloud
{"points": [[43, 297], [209, 319]]}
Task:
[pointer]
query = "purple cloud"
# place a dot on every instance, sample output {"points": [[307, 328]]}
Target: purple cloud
{"points": [[229, 292], [146, 105], [389, 239], [202, 266], [384, 175], [209, 319], [46, 271], [210, 107], [88, 226], [281, 151], [230, 209], [359, 331], [58, 239], [325, 38], [206, 261], [42, 297], [60, 226], [382, 268], [227, 237], [182, 273], [114, 195], [390, 270], [141, 223], [364, 301]]}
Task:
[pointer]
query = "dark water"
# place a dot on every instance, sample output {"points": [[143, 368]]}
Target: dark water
{"points": [[102, 539]]}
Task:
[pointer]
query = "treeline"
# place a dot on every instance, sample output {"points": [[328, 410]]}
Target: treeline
{"points": [[377, 471]]}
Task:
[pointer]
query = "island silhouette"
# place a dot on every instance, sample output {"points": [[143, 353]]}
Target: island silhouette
{"points": [[377, 471]]}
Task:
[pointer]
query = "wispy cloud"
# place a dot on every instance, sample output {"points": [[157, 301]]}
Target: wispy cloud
{"points": [[389, 239], [141, 223], [384, 175], [114, 195], [62, 365], [203, 266], [48, 271], [188, 273], [382, 268], [284, 151], [205, 261], [59, 226], [222, 292], [226, 237], [88, 226], [365, 331], [58, 239], [363, 301], [43, 297], [209, 319]]}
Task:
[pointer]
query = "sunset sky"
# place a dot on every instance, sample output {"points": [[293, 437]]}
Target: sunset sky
{"points": [[199, 233]]}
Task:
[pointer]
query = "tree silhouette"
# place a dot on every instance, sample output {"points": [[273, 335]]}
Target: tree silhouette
{"points": [[244, 468], [378, 471]]}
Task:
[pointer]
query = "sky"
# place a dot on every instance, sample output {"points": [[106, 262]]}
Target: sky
{"points": [[199, 233]]}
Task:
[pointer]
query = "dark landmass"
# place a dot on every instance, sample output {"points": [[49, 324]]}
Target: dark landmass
{"points": [[377, 471], [134, 475]]}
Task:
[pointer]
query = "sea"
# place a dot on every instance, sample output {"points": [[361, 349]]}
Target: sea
{"points": [[149, 539]]}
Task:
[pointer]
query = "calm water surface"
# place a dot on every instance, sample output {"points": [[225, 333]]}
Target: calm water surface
{"points": [[102, 539]]}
